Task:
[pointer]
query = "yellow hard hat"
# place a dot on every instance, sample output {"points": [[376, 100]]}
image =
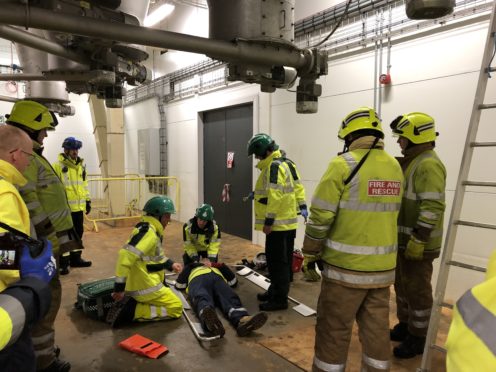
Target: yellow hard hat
{"points": [[415, 126], [360, 119], [32, 115]]}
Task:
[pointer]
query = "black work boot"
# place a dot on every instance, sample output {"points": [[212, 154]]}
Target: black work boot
{"points": [[64, 265], [57, 366], [121, 312], [263, 296], [248, 323], [399, 332], [273, 306], [211, 323], [410, 348], [78, 261]]}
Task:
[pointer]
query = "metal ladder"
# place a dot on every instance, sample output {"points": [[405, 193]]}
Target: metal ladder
{"points": [[462, 182]]}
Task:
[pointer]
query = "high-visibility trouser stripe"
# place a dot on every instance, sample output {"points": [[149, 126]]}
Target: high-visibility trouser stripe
{"points": [[232, 310], [143, 292], [322, 204], [155, 310], [278, 222], [420, 324], [232, 282], [356, 205], [478, 319], [328, 367], [43, 345], [360, 249], [421, 313], [14, 309], [63, 238], [375, 363], [383, 278], [275, 186]]}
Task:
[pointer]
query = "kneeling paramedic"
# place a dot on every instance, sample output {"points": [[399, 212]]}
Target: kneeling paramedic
{"points": [[210, 284], [139, 290], [201, 236], [352, 229]]}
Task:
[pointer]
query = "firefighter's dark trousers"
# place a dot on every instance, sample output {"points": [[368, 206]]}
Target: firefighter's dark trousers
{"points": [[414, 293], [337, 310], [279, 246], [209, 290]]}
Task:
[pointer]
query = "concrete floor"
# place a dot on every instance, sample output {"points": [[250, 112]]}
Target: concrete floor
{"points": [[285, 343]]}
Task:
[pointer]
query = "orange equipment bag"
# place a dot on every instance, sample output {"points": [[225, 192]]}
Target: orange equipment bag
{"points": [[297, 261], [144, 346]]}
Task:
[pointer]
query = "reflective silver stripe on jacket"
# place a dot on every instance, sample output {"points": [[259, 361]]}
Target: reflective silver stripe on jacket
{"points": [[361, 249], [181, 285], [429, 215], [143, 292], [430, 196], [33, 205], [62, 213], [322, 204], [356, 205], [478, 319], [327, 366], [408, 231], [354, 184], [15, 310], [317, 227], [375, 363], [120, 279], [285, 189], [374, 278]]}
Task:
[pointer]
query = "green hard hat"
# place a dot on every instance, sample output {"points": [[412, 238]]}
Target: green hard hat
{"points": [[158, 206], [205, 212], [260, 143]]}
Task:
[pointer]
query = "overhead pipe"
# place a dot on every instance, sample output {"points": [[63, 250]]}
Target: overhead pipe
{"points": [[334, 13], [246, 51], [39, 43]]}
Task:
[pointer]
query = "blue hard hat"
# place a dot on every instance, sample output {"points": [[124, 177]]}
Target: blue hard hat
{"points": [[70, 143]]}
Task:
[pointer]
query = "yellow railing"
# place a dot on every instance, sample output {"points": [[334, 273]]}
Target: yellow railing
{"points": [[123, 198]]}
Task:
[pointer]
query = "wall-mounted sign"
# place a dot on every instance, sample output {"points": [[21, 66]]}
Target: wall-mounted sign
{"points": [[230, 159]]}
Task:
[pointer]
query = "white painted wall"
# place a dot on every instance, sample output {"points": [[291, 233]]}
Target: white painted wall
{"points": [[79, 126], [435, 74]]}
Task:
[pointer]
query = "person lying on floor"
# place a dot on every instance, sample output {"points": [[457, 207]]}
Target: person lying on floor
{"points": [[208, 284], [139, 292]]}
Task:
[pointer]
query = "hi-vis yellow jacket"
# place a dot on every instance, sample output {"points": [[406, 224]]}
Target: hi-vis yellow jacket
{"points": [[13, 211], [278, 194], [44, 195], [73, 174], [201, 240], [142, 249], [471, 342], [423, 204], [353, 227]]}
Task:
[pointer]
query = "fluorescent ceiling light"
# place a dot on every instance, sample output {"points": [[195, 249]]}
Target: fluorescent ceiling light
{"points": [[158, 14]]}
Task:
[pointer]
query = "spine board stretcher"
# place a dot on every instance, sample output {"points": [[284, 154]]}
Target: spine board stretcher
{"points": [[264, 283], [189, 315]]}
